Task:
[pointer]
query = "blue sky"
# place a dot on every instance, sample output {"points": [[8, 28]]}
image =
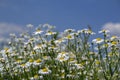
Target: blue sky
{"points": [[63, 14]]}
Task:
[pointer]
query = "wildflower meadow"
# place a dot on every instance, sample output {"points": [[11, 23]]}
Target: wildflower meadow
{"points": [[46, 54]]}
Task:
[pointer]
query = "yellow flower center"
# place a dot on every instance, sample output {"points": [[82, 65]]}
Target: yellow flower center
{"points": [[72, 59], [62, 75], [22, 65], [38, 30], [69, 36], [6, 49], [103, 30], [61, 58], [39, 45], [63, 52], [36, 76], [98, 39], [45, 70], [97, 62], [89, 31], [50, 32], [114, 42], [38, 61], [31, 60], [45, 57], [18, 61]]}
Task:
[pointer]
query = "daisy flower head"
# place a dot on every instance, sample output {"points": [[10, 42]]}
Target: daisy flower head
{"points": [[38, 31], [72, 60], [79, 66], [97, 40], [114, 38], [97, 62], [63, 53], [59, 41], [19, 61], [82, 31], [86, 31], [38, 62], [50, 33], [69, 30], [62, 58], [29, 63], [23, 66], [46, 57], [90, 32], [69, 37], [39, 46], [104, 31], [44, 71], [114, 43]]}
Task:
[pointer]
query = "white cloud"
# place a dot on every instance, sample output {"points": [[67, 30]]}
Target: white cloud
{"points": [[7, 28], [114, 28]]}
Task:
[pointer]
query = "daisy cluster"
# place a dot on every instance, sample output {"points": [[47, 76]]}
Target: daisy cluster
{"points": [[69, 55]]}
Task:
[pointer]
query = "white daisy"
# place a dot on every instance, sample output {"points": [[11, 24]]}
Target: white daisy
{"points": [[97, 40], [38, 32], [44, 71]]}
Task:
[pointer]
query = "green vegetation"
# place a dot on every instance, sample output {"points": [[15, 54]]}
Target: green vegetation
{"points": [[68, 55]]}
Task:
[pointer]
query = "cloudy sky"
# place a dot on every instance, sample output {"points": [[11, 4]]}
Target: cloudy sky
{"points": [[77, 14]]}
